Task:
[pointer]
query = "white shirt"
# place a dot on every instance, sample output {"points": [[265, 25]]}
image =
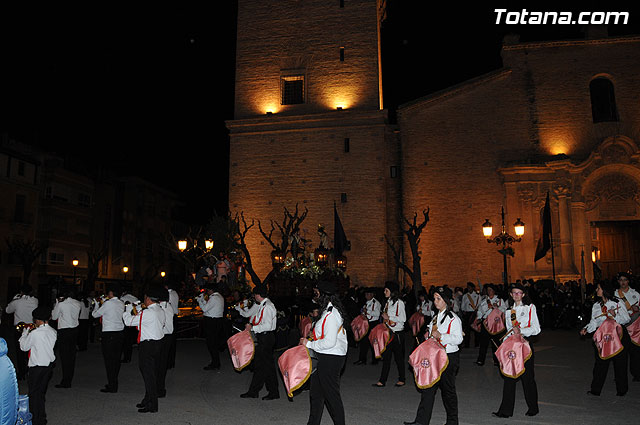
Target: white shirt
{"points": [[67, 313], [597, 317], [85, 310], [111, 314], [470, 302], [329, 333], [22, 307], [168, 317], [262, 316], [372, 309], [631, 296], [149, 321], [174, 300], [484, 310], [396, 313], [450, 330], [129, 298], [426, 308], [214, 307], [527, 318], [39, 342]]}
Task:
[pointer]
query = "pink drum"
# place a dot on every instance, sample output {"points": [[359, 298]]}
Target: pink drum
{"points": [[380, 337], [241, 349], [607, 339], [634, 332], [416, 321], [305, 327], [494, 323], [428, 361], [295, 366], [512, 355], [476, 326], [360, 327]]}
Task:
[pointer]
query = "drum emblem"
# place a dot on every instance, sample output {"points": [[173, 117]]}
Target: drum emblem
{"points": [[234, 352], [425, 363], [511, 354], [375, 340], [608, 338], [286, 374], [496, 319]]}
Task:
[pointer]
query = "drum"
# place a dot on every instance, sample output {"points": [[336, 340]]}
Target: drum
{"points": [[360, 327], [242, 349], [428, 361], [380, 337], [608, 339], [512, 355], [494, 323], [634, 332], [416, 321], [475, 325], [296, 367], [305, 327]]}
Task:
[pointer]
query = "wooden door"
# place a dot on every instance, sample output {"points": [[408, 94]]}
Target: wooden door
{"points": [[619, 244]]}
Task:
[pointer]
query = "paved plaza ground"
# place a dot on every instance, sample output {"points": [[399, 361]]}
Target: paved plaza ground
{"points": [[563, 373]]}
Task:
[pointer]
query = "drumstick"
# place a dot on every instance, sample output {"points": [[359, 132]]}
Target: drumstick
{"points": [[607, 313]]}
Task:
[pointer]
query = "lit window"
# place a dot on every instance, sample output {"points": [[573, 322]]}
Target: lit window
{"points": [[292, 89]]}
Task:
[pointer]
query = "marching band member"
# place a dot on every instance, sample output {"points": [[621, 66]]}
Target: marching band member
{"points": [[110, 315], [469, 306], [608, 306], [394, 316], [490, 302], [212, 305], [446, 327], [22, 306], [67, 312], [149, 320], [631, 299], [262, 323], [425, 306], [39, 343], [130, 332], [174, 301], [371, 310], [330, 347], [167, 329], [83, 323], [523, 319]]}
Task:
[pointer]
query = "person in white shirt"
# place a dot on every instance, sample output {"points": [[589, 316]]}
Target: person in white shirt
{"points": [[522, 319], [110, 315], [371, 310], [446, 327], [487, 305], [630, 298], [84, 322], [394, 316], [262, 322], [212, 305], [67, 312], [22, 306], [329, 345], [39, 342], [174, 301], [130, 332], [149, 320], [166, 342], [469, 308], [608, 306]]}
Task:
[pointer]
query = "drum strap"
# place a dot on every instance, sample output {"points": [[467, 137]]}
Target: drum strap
{"points": [[623, 298], [473, 304]]}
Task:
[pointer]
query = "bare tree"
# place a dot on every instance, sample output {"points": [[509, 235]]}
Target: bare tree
{"points": [[412, 231], [289, 231], [240, 230], [26, 252], [94, 256]]}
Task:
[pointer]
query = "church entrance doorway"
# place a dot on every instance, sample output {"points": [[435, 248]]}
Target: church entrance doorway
{"points": [[617, 246]]}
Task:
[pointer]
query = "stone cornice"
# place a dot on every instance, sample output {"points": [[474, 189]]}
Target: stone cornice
{"points": [[565, 43]]}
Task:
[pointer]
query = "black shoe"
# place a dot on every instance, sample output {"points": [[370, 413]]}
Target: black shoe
{"points": [[359, 362], [621, 394], [591, 393], [480, 363], [412, 423], [141, 405], [147, 410], [532, 413], [62, 386], [271, 397], [162, 394], [500, 415], [635, 379], [248, 395]]}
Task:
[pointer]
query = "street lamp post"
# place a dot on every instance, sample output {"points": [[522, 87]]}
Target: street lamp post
{"points": [[75, 263], [125, 270], [504, 239]]}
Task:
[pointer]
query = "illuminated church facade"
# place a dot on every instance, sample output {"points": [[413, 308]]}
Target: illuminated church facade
{"points": [[310, 128]]}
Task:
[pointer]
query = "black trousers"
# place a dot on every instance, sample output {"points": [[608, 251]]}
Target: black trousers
{"points": [[365, 344], [264, 366], [67, 339], [148, 358], [111, 350], [38, 381], [396, 349], [325, 390], [447, 385], [633, 353], [172, 350], [83, 334], [601, 367], [130, 338], [467, 318], [214, 335], [485, 342], [22, 357], [528, 379], [162, 364]]}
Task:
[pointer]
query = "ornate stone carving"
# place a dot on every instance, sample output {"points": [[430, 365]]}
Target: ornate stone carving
{"points": [[526, 192], [615, 154], [615, 194]]}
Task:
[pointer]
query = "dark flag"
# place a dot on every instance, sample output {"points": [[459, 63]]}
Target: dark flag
{"points": [[340, 241], [544, 243]]}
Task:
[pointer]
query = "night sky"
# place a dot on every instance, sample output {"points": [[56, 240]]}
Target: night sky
{"points": [[146, 89]]}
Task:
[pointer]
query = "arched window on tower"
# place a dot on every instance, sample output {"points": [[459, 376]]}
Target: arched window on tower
{"points": [[603, 100]]}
